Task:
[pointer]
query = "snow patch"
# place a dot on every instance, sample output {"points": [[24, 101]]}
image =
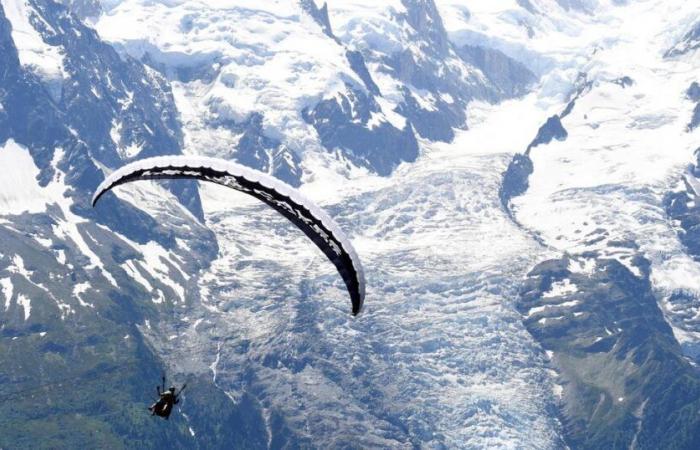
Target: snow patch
{"points": [[155, 257], [539, 309], [132, 270], [558, 390], [80, 289], [584, 266], [45, 60], [214, 365], [560, 289], [19, 189], [18, 268], [258, 57], [26, 304], [7, 290]]}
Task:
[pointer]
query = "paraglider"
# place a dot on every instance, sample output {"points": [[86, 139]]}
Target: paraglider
{"points": [[163, 407], [302, 212]]}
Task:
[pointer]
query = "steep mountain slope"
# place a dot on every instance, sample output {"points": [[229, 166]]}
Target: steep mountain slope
{"points": [[594, 184], [77, 284]]}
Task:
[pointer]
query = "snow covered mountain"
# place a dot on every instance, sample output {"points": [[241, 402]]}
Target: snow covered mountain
{"points": [[518, 177], [282, 89]]}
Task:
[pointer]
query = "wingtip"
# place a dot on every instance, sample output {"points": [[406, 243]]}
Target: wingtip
{"points": [[101, 190], [357, 309], [95, 197]]}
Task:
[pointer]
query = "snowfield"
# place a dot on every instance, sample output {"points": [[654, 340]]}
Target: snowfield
{"points": [[244, 57], [19, 189], [45, 59]]}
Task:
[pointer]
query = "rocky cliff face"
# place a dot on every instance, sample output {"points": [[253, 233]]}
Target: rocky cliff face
{"points": [[622, 375], [72, 306]]}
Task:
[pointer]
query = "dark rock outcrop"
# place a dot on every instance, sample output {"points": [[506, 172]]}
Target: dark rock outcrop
{"points": [[688, 43], [624, 377], [347, 123], [515, 178], [551, 130], [508, 76]]}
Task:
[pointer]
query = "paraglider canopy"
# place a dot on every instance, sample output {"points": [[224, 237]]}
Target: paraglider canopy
{"points": [[292, 204]]}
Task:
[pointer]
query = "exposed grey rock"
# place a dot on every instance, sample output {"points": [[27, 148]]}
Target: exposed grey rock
{"points": [[434, 124], [320, 15], [101, 92], [357, 63], [695, 120], [580, 5], [623, 374], [681, 206], [438, 75], [515, 178], [344, 123], [693, 92], [552, 129], [83, 8], [92, 338], [260, 152], [424, 17], [528, 6], [624, 81], [689, 42], [510, 77]]}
